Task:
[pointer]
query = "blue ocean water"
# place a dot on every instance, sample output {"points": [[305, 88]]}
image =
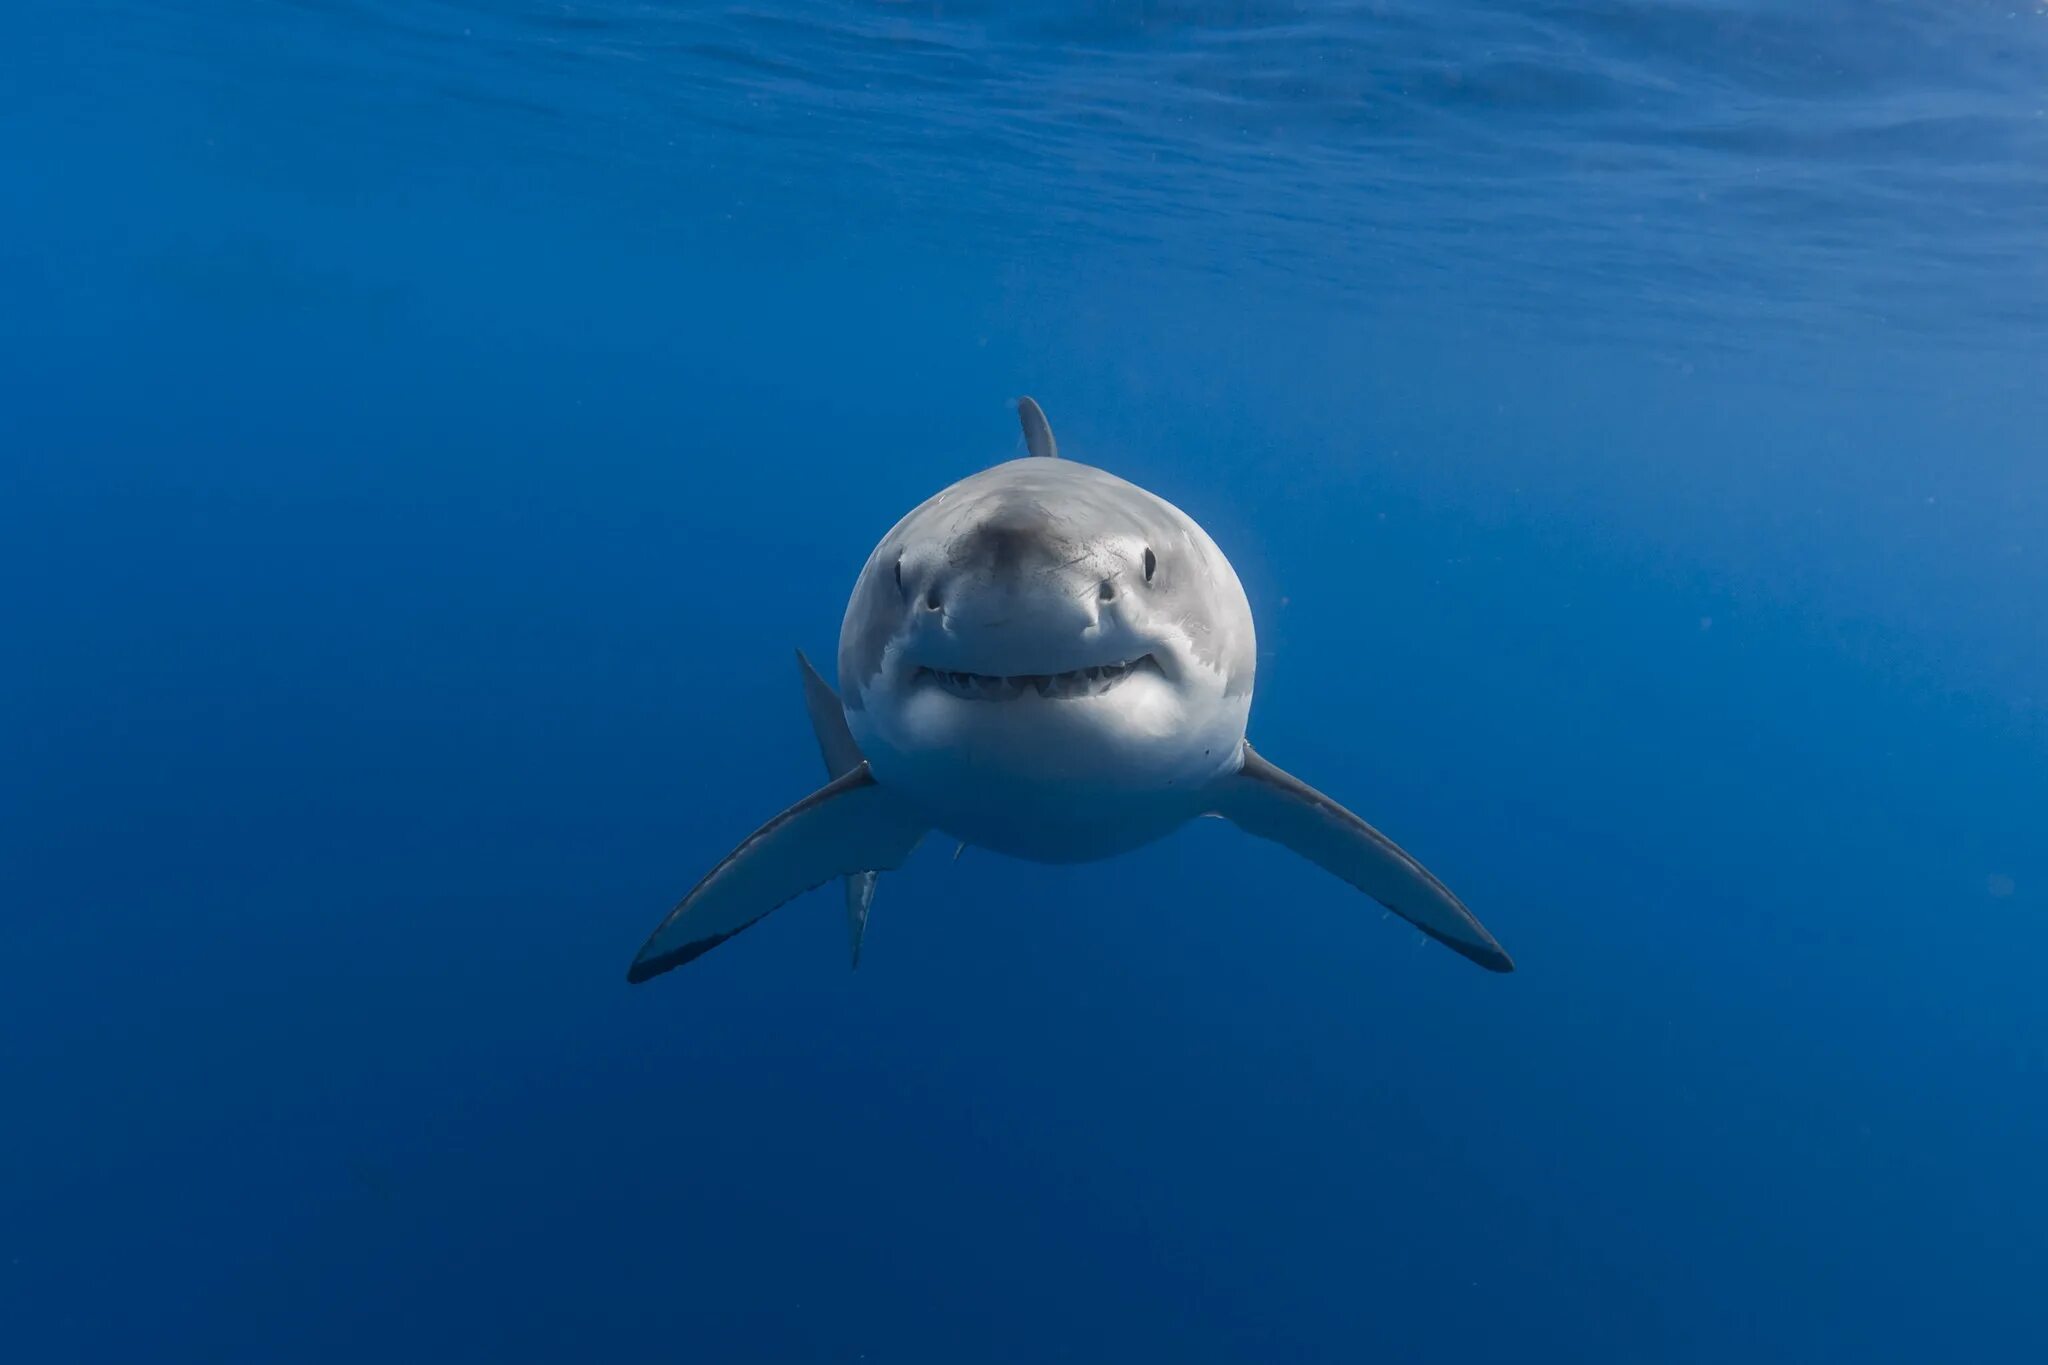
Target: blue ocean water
{"points": [[428, 427]]}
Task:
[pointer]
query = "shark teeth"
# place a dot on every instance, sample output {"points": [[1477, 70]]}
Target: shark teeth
{"points": [[1077, 682]]}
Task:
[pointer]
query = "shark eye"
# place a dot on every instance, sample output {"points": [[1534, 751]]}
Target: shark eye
{"points": [[1151, 563]]}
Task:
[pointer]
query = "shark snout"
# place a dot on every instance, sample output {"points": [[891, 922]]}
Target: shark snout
{"points": [[1023, 624], [1011, 566], [1017, 588], [1039, 603]]}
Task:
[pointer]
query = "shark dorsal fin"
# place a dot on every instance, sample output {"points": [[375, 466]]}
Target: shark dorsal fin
{"points": [[1037, 431]]}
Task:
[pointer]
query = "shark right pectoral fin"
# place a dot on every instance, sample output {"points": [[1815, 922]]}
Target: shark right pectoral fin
{"points": [[848, 827], [1262, 799]]}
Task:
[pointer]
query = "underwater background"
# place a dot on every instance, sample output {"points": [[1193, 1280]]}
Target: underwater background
{"points": [[428, 428]]}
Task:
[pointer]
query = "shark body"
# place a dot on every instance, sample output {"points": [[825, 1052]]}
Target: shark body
{"points": [[1045, 660]]}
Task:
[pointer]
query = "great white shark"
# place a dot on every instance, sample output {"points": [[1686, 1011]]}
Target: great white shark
{"points": [[1051, 662]]}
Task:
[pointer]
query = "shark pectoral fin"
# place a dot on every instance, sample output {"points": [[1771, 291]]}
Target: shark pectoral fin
{"points": [[847, 827], [1263, 800]]}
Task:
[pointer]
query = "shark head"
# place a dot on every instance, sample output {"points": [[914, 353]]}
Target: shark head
{"points": [[1048, 659]]}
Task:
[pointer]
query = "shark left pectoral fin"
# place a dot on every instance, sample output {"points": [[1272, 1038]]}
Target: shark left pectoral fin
{"points": [[846, 828], [1266, 801]]}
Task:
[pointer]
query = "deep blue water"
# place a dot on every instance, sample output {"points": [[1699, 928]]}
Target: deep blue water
{"points": [[427, 428]]}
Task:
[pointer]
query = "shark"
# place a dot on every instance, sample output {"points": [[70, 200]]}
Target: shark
{"points": [[1046, 661]]}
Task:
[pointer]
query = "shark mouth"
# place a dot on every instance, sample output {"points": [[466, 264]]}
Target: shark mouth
{"points": [[1076, 682]]}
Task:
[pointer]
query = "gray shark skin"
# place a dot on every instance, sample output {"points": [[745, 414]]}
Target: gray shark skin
{"points": [[1050, 662]]}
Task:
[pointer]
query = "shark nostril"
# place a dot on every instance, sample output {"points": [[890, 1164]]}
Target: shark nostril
{"points": [[1107, 592], [931, 599]]}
